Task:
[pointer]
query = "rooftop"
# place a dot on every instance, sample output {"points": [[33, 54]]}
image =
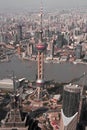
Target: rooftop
{"points": [[72, 88]]}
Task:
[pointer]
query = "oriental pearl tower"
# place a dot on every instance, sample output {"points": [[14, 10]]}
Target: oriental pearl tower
{"points": [[40, 48]]}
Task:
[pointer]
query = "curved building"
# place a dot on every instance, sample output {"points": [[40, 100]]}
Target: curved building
{"points": [[71, 99], [71, 104]]}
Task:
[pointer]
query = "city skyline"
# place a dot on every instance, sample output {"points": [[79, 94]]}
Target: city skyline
{"points": [[33, 5]]}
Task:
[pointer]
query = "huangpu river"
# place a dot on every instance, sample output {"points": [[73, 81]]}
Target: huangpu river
{"points": [[61, 73]]}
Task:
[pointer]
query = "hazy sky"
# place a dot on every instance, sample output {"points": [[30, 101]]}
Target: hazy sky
{"points": [[47, 4]]}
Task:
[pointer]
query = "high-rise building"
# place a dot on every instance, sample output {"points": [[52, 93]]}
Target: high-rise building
{"points": [[70, 111], [59, 40], [78, 51], [68, 123], [52, 49], [19, 32], [71, 99], [30, 49], [40, 48]]}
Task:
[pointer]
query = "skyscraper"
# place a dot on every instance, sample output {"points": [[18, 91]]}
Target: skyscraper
{"points": [[78, 51], [71, 103], [19, 32], [71, 99]]}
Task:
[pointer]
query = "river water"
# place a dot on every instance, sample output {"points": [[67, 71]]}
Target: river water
{"points": [[64, 72]]}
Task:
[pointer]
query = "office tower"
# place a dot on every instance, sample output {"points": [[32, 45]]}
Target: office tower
{"points": [[70, 110], [30, 49], [19, 32], [78, 51], [52, 49]]}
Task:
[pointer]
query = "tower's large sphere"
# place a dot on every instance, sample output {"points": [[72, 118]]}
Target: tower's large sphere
{"points": [[40, 47]]}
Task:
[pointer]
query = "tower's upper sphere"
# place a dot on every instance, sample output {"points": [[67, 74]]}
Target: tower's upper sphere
{"points": [[40, 46]]}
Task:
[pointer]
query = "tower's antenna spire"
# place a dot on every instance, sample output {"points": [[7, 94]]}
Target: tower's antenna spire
{"points": [[41, 18]]}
